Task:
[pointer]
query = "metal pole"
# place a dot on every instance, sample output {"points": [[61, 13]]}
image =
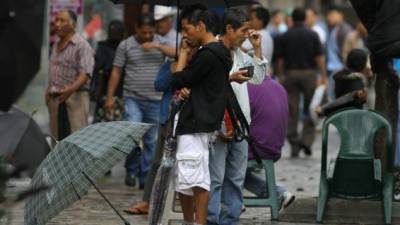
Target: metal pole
{"points": [[105, 199], [177, 31]]}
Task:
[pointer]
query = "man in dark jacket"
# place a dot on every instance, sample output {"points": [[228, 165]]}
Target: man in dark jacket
{"points": [[206, 76]]}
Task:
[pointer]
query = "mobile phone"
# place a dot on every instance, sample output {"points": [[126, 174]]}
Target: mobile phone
{"points": [[250, 70]]}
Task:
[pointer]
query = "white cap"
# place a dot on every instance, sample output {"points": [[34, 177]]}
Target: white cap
{"points": [[161, 12]]}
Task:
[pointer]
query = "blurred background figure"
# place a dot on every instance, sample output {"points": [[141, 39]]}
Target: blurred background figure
{"points": [[102, 71], [351, 84], [259, 19], [311, 22], [93, 29], [354, 76], [140, 57], [338, 31], [163, 16], [70, 67], [299, 59], [355, 39], [277, 25]]}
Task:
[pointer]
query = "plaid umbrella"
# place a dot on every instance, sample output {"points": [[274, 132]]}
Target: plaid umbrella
{"points": [[76, 162]]}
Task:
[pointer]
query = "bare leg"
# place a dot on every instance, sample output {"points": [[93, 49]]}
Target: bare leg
{"points": [[200, 198], [187, 207]]}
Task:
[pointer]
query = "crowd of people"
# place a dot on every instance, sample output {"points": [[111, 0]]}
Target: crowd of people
{"points": [[272, 62]]}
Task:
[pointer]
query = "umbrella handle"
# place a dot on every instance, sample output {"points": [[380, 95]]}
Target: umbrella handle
{"points": [[105, 199]]}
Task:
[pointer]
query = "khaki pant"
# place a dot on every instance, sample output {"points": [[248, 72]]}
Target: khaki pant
{"points": [[77, 108], [300, 82]]}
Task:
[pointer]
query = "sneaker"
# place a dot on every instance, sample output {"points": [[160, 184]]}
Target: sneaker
{"points": [[397, 196], [130, 180], [286, 200]]}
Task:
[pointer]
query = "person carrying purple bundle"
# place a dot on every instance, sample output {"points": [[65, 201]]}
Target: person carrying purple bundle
{"points": [[269, 111]]}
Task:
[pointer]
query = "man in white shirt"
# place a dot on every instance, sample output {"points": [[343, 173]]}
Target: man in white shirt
{"points": [[228, 159], [259, 19], [165, 24]]}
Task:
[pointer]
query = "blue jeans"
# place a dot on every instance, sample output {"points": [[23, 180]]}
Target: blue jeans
{"points": [[228, 164], [146, 111], [258, 186]]}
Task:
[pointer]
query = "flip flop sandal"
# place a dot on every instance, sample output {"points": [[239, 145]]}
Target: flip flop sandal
{"points": [[136, 211]]}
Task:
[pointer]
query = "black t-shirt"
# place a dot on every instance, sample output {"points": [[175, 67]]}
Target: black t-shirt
{"points": [[298, 47]]}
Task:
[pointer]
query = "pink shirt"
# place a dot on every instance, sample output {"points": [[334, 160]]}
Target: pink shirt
{"points": [[65, 66]]}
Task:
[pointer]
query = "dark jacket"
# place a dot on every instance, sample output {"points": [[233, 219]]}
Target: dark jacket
{"points": [[347, 81], [102, 70], [207, 75], [382, 20]]}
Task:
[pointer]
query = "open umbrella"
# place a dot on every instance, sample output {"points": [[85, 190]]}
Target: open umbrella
{"points": [[210, 3], [21, 33], [76, 163], [22, 142]]}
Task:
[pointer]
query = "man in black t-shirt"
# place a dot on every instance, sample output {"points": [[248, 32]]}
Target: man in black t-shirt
{"points": [[299, 57]]}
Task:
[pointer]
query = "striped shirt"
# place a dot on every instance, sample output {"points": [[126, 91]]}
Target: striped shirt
{"points": [[141, 68], [65, 66]]}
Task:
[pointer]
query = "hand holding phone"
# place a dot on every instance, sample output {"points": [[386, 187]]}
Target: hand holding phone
{"points": [[250, 71]]}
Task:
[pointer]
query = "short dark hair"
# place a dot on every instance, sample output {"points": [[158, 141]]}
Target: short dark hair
{"points": [[357, 60], [187, 12], [299, 15], [210, 19], [262, 14], [146, 19], [334, 8], [116, 30], [234, 17], [72, 15]]}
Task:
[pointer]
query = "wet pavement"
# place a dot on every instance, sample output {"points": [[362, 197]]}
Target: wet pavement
{"points": [[300, 176]]}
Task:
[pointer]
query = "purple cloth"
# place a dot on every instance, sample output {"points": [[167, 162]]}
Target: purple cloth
{"points": [[269, 110]]}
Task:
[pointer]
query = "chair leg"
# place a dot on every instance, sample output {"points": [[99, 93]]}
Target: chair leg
{"points": [[271, 188], [387, 196], [169, 211], [322, 199]]}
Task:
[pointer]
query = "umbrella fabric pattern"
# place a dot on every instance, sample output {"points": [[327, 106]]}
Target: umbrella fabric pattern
{"points": [[90, 152]]}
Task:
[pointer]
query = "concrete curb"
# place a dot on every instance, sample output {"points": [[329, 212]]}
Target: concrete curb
{"points": [[339, 211]]}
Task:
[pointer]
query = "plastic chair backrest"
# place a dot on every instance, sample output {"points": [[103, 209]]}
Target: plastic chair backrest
{"points": [[357, 130]]}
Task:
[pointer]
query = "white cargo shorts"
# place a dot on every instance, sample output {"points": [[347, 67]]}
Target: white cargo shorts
{"points": [[191, 168]]}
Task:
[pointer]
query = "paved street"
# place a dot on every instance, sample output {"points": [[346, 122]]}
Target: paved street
{"points": [[300, 176]]}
